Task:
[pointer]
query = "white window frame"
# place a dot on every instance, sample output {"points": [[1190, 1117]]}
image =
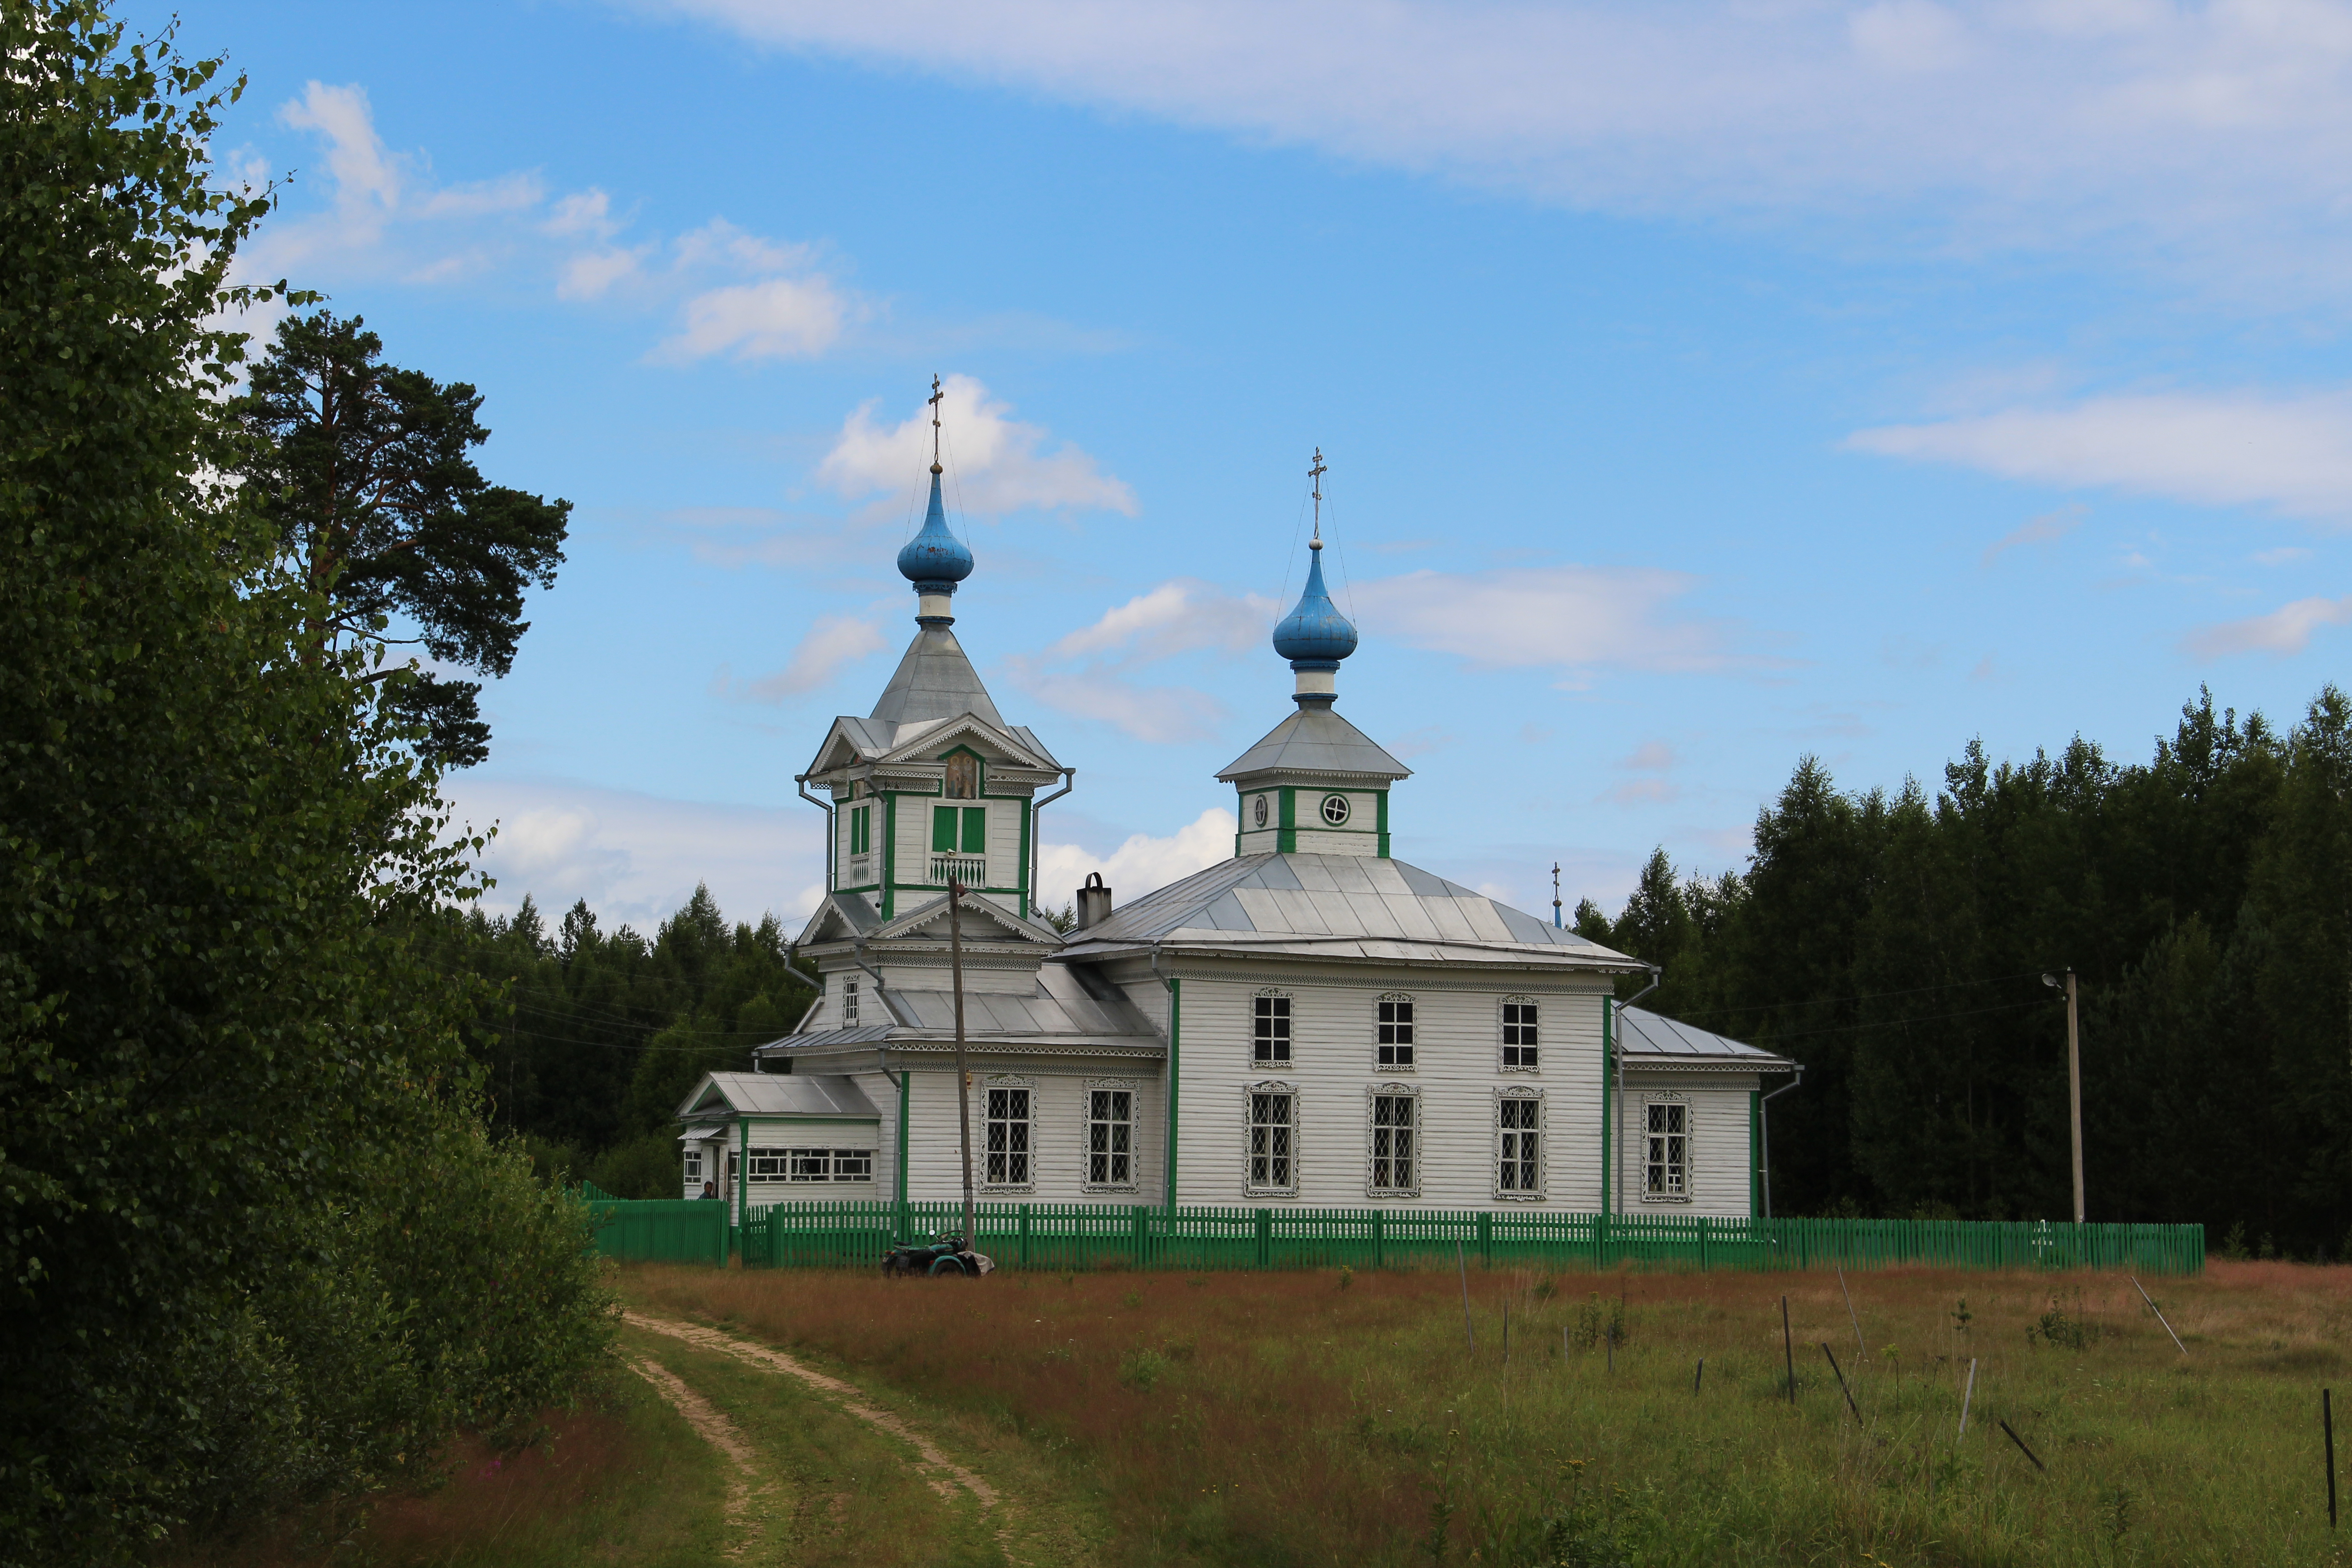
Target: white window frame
{"points": [[1323, 810], [1009, 1082], [1133, 1090], [694, 1162], [853, 1164], [1373, 1186], [1392, 999], [1650, 1104], [1289, 1015], [1503, 1042], [1269, 1188], [1533, 1098], [848, 1002]]}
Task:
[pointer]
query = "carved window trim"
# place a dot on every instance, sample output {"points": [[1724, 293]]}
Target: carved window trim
{"points": [[1667, 1100], [1288, 1147], [1410, 1093], [1133, 1089], [1526, 1102], [1393, 1032], [1274, 1018], [1011, 1083], [1519, 1035]]}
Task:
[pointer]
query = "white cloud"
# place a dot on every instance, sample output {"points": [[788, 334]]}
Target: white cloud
{"points": [[2285, 630], [831, 642], [592, 273], [1155, 714], [2197, 132], [1141, 865], [1084, 673], [777, 318], [2046, 529], [2287, 454], [1568, 615], [2285, 555], [995, 462], [1181, 614], [636, 858], [1650, 757]]}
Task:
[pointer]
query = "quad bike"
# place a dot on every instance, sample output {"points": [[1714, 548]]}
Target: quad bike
{"points": [[940, 1255]]}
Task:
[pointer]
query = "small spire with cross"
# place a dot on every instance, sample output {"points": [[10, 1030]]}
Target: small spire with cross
{"points": [[1555, 895], [937, 397], [1316, 475]]}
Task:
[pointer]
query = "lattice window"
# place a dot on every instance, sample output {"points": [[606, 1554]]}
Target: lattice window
{"points": [[1518, 1146], [1519, 1043], [1666, 1151], [1110, 1137], [1270, 1028], [694, 1164], [1006, 1151], [849, 1004], [1273, 1158], [1394, 1155], [1392, 1033]]}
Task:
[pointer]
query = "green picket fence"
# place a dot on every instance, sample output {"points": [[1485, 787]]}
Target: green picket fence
{"points": [[846, 1233], [657, 1231]]}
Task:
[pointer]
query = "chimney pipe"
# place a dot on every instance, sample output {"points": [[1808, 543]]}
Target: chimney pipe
{"points": [[1093, 902]]}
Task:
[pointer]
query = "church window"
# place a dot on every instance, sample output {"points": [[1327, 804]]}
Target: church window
{"points": [[853, 1164], [1335, 809], [1110, 1137], [1392, 1031], [963, 776], [1394, 1155], [1273, 1165], [1665, 1152], [1519, 1044], [1270, 1027], [955, 832], [849, 1004], [1257, 811], [1005, 1159], [861, 830], [694, 1164], [1518, 1144]]}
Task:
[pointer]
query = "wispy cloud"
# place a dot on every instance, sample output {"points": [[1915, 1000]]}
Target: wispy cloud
{"points": [[1649, 757], [2046, 529], [2199, 135], [2285, 454], [1576, 617], [1088, 673], [998, 464], [831, 643], [1143, 863], [2285, 630]]}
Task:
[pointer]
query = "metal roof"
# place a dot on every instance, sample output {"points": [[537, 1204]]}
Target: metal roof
{"points": [[1058, 1012], [1640, 1032], [1315, 740], [1339, 906], [775, 1094], [935, 680]]}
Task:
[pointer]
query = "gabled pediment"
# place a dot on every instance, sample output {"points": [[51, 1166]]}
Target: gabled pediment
{"points": [[931, 742], [839, 917], [851, 740], [984, 920]]}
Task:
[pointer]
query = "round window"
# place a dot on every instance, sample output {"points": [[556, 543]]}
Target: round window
{"points": [[1335, 809], [1257, 810]]}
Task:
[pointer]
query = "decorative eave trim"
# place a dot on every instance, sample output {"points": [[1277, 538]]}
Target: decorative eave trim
{"points": [[994, 1046], [1720, 1065], [1533, 962], [1258, 778]]}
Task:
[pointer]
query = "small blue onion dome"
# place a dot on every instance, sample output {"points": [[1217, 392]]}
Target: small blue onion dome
{"points": [[935, 560], [1316, 632]]}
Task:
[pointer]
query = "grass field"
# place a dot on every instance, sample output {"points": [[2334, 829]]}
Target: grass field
{"points": [[1324, 1418], [1251, 1418]]}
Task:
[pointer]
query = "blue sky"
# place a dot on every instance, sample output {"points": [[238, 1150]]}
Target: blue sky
{"points": [[1703, 386]]}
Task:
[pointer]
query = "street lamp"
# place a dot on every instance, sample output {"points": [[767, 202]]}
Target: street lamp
{"points": [[2073, 1077]]}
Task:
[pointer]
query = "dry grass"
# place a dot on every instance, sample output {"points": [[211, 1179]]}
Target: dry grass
{"points": [[1293, 1417]]}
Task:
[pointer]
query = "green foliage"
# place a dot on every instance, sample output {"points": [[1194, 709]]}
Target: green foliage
{"points": [[365, 471], [1894, 944], [254, 1244], [646, 1166]]}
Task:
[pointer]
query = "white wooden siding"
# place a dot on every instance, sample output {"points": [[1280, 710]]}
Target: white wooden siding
{"points": [[1332, 1068], [1719, 1143], [1058, 1135]]}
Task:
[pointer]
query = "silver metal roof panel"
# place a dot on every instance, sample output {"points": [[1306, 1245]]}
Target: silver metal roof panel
{"points": [[1645, 1034]]}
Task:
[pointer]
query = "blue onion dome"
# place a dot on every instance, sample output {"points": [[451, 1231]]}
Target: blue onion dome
{"points": [[935, 560], [1314, 633]]}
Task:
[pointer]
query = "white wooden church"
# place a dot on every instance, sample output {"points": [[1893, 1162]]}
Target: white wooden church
{"points": [[1312, 1022]]}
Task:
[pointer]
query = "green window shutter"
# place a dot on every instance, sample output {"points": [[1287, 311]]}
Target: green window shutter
{"points": [[975, 830], [944, 829], [857, 831]]}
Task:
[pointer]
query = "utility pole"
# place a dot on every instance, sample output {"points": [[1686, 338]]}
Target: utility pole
{"points": [[963, 1075], [2073, 1079]]}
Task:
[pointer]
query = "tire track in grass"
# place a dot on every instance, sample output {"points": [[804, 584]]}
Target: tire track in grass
{"points": [[721, 1434], [941, 1473]]}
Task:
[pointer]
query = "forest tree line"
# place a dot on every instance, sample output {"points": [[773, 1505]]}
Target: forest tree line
{"points": [[1896, 945]]}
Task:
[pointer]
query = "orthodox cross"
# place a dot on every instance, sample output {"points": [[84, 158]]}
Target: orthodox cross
{"points": [[1555, 895], [935, 398], [1316, 475]]}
